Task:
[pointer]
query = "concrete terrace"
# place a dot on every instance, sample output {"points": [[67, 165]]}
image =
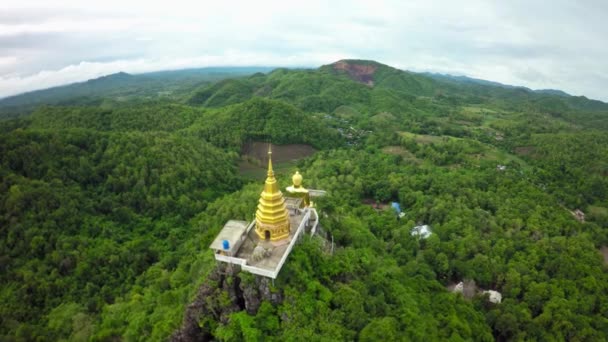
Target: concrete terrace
{"points": [[270, 265]]}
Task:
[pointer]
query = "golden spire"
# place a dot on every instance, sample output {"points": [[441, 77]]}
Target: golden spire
{"points": [[270, 186], [270, 171], [271, 218]]}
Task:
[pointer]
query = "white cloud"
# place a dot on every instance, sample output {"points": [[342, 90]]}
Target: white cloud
{"points": [[555, 44], [10, 85]]}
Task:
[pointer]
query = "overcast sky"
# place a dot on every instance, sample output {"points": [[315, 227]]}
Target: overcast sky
{"points": [[539, 44]]}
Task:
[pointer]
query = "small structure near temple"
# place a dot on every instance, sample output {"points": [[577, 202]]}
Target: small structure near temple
{"points": [[423, 231], [262, 246], [230, 238], [493, 296], [468, 290], [578, 215]]}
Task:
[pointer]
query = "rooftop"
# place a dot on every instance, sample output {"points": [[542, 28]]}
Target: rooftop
{"points": [[423, 231], [231, 232]]}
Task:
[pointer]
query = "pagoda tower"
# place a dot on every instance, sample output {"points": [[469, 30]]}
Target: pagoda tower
{"points": [[271, 218]]}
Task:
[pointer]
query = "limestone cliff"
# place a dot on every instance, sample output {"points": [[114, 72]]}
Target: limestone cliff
{"points": [[223, 292]]}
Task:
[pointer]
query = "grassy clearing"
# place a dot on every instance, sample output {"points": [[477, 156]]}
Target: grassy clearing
{"points": [[482, 152], [478, 110], [346, 112], [401, 151], [597, 210], [425, 138], [398, 150], [491, 153], [525, 150]]}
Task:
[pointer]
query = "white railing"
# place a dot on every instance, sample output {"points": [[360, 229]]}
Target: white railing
{"points": [[249, 227], [243, 263], [293, 241], [316, 193], [229, 259], [260, 271], [313, 230]]}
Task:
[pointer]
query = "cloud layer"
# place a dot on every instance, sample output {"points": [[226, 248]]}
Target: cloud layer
{"points": [[549, 44]]}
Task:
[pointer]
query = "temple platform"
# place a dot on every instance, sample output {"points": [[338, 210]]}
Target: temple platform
{"points": [[259, 256]]}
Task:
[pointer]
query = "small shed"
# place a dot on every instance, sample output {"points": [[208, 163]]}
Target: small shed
{"points": [[230, 238], [579, 215], [423, 231], [396, 207], [494, 296]]}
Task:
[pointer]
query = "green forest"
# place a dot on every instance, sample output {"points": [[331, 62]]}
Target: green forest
{"points": [[110, 198]]}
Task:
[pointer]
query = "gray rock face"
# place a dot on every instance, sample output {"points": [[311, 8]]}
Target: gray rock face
{"points": [[254, 294], [222, 294], [208, 304]]}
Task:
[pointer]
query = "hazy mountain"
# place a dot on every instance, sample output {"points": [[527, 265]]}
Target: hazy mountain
{"points": [[176, 84], [122, 87]]}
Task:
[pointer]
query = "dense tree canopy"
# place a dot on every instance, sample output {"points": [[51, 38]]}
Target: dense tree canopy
{"points": [[107, 209]]}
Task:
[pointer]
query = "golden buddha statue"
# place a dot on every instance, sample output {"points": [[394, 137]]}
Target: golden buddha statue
{"points": [[297, 190]]}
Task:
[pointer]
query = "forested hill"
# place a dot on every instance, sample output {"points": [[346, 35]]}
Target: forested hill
{"points": [[122, 87], [112, 190]]}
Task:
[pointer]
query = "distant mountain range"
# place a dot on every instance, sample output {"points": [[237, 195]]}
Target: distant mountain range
{"points": [[122, 86], [218, 86], [466, 79]]}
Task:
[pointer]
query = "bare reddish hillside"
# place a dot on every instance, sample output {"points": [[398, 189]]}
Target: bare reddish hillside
{"points": [[358, 72]]}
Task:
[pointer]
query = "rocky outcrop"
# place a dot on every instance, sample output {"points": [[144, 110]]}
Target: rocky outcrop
{"points": [[254, 294], [208, 304], [222, 294]]}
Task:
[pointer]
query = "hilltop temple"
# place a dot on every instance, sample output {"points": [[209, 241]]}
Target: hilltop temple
{"points": [[262, 246]]}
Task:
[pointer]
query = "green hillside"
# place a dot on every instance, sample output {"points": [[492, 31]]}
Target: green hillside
{"points": [[111, 193], [120, 89]]}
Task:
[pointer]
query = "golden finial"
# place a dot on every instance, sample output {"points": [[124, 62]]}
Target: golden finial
{"points": [[270, 171]]}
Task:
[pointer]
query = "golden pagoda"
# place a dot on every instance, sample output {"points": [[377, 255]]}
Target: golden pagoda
{"points": [[297, 190], [271, 218]]}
